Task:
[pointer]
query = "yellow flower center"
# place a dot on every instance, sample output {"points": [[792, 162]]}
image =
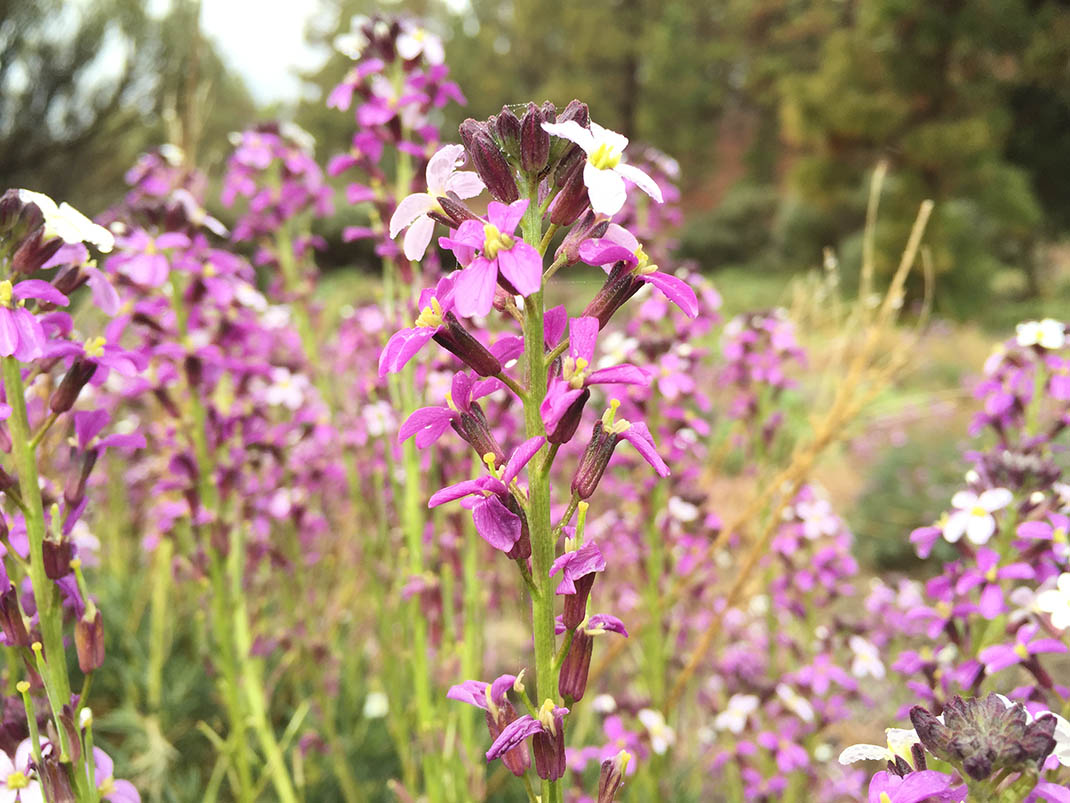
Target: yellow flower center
{"points": [[5, 293], [430, 316], [605, 157], [1059, 536], [494, 241], [884, 798], [979, 511], [546, 716], [1021, 651], [574, 371], [107, 786], [17, 780], [991, 575], [150, 249], [210, 270], [609, 424], [449, 401], [94, 347], [491, 707], [645, 266]]}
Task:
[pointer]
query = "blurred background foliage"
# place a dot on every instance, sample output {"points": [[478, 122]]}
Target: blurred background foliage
{"points": [[776, 110]]}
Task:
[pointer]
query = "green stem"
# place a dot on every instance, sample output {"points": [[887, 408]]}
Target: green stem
{"points": [[44, 590], [542, 540]]}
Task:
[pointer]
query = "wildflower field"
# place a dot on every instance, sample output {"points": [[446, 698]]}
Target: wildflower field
{"points": [[533, 506]]}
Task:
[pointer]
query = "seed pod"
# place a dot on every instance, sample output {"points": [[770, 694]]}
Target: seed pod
{"points": [[572, 680], [594, 461], [76, 378], [457, 340]]}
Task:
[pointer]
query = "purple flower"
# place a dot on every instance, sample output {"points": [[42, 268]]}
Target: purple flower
{"points": [[110, 789], [1055, 529], [141, 258], [490, 249], [21, 333], [617, 245], [576, 375], [495, 522], [547, 733], [429, 423], [987, 574], [442, 178], [927, 786], [576, 566], [491, 697], [1000, 656]]}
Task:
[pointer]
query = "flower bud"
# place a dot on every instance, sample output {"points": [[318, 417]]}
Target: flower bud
{"points": [[611, 778], [457, 340], [10, 209], [505, 129], [489, 161], [619, 287], [54, 779], [454, 212], [34, 252], [89, 640], [548, 745], [76, 378], [573, 198], [57, 558], [74, 490], [574, 610], [588, 227], [560, 147], [474, 429], [516, 760], [11, 621], [572, 681], [534, 142], [594, 461]]}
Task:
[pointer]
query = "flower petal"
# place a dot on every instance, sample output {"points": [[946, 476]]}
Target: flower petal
{"points": [[465, 184], [474, 288], [639, 436], [605, 188], [417, 238], [641, 180], [676, 290], [520, 457], [410, 208], [441, 166], [573, 132], [496, 524], [582, 337], [522, 266]]}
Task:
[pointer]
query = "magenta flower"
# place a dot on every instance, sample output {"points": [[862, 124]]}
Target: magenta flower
{"points": [[429, 423], [492, 698], [404, 344], [490, 249], [142, 259], [442, 178], [577, 566], [576, 375], [21, 333], [594, 624], [987, 574], [547, 734], [1056, 530], [1000, 656], [495, 522], [619, 244], [108, 787], [927, 786]]}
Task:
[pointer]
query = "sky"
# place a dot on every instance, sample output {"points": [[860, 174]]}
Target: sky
{"points": [[264, 41]]}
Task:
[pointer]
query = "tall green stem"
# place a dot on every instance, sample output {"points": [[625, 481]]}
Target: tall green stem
{"points": [[44, 590], [542, 541]]}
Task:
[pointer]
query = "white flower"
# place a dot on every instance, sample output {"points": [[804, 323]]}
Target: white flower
{"points": [[604, 172], [817, 518], [973, 515], [378, 418], [67, 223], [795, 702], [1062, 740], [412, 211], [415, 40], [298, 136], [867, 662], [661, 735], [1056, 601], [681, 510], [604, 704], [1048, 334], [286, 389], [376, 705], [900, 741], [172, 154], [734, 716], [15, 781]]}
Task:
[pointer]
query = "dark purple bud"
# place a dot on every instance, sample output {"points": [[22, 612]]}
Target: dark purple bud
{"points": [[6, 482], [54, 779], [572, 681], [611, 778], [619, 287], [455, 212], [534, 142], [573, 199], [561, 149], [917, 752], [506, 131], [549, 746], [34, 252], [473, 427], [76, 378], [194, 370], [588, 227], [594, 461], [89, 640], [457, 340], [10, 209], [11, 621], [57, 558], [74, 490], [566, 426], [574, 609], [489, 161]]}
